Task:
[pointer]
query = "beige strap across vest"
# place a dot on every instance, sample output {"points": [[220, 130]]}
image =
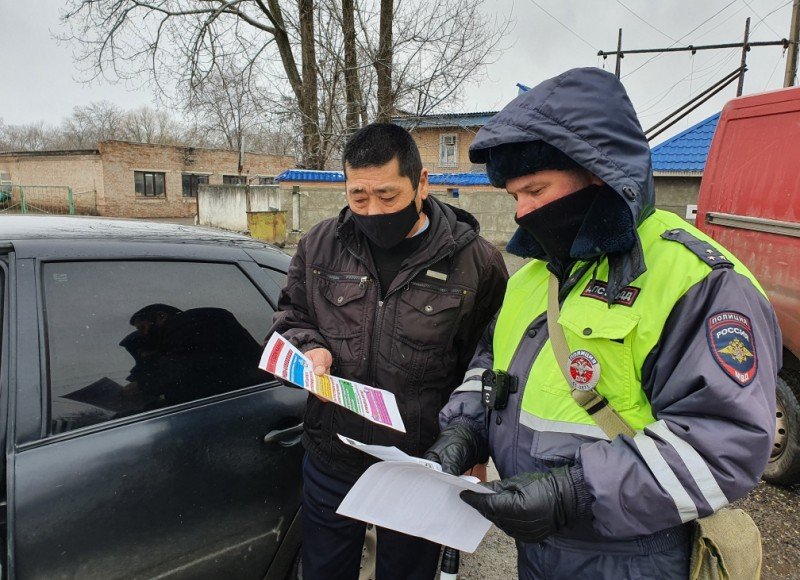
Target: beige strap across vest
{"points": [[590, 400]]}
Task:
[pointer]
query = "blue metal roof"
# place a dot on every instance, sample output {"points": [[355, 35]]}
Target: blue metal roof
{"points": [[445, 120], [310, 175], [458, 179], [462, 179], [687, 151]]}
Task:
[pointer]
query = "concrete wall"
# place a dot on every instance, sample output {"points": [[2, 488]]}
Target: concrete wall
{"points": [[225, 206], [122, 159], [674, 193], [80, 170], [493, 208]]}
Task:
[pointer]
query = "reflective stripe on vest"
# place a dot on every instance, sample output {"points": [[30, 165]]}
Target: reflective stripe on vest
{"points": [[620, 337]]}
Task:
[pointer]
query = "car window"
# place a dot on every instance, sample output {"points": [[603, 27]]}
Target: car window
{"points": [[278, 276], [126, 337]]}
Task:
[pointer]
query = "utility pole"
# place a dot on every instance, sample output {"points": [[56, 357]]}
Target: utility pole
{"points": [[617, 68], [791, 58], [743, 64]]}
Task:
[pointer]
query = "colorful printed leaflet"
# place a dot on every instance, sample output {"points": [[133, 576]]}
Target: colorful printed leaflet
{"points": [[283, 360]]}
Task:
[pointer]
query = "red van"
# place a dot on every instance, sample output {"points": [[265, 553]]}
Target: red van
{"points": [[750, 202]]}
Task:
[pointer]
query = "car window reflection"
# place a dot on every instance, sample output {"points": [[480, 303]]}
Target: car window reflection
{"points": [[113, 356]]}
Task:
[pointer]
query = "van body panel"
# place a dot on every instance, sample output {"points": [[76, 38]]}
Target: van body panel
{"points": [[750, 196]]}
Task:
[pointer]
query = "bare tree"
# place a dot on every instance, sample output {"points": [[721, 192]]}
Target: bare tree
{"points": [[352, 90], [88, 124], [149, 125], [28, 137], [407, 54], [383, 62]]}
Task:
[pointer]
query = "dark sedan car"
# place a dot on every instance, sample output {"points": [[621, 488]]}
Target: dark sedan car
{"points": [[141, 439]]}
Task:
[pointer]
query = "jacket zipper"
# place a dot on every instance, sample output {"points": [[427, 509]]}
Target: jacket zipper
{"points": [[373, 365], [438, 289], [362, 280], [367, 429]]}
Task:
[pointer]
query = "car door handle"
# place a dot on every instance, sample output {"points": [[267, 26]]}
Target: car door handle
{"points": [[285, 437]]}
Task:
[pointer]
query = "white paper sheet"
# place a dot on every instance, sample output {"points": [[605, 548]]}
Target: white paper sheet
{"points": [[388, 453], [283, 360], [414, 499]]}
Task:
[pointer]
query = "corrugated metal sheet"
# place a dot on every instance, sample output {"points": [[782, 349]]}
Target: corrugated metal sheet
{"points": [[687, 151], [446, 120], [463, 179], [458, 179], [310, 175]]}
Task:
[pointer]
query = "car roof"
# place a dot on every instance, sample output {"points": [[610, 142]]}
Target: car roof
{"points": [[74, 228]]}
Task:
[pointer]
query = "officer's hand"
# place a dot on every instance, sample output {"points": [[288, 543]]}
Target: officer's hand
{"points": [[529, 507], [321, 361], [457, 449]]}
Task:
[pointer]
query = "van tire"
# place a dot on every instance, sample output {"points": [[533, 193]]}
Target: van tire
{"points": [[783, 467]]}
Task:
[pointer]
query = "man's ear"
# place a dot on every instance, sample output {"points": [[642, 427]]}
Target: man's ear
{"points": [[423, 184]]}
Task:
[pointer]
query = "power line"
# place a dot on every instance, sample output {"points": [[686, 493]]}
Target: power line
{"points": [[717, 13], [582, 39], [724, 59], [780, 58], [753, 10], [646, 22]]}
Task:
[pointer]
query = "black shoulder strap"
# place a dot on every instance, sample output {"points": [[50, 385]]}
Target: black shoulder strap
{"points": [[703, 250]]}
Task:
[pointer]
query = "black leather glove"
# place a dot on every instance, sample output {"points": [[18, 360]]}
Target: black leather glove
{"points": [[457, 449], [528, 507]]}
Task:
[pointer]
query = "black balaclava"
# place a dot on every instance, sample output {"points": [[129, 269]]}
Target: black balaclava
{"points": [[386, 230], [556, 225]]}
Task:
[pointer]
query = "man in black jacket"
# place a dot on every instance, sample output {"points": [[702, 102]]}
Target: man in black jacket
{"points": [[394, 293]]}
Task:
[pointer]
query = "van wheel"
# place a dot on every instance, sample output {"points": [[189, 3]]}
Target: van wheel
{"points": [[784, 462]]}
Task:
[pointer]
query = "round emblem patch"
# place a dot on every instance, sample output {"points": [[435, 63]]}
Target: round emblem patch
{"points": [[584, 370]]}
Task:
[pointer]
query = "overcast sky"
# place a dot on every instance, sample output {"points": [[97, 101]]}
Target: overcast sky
{"points": [[38, 79]]}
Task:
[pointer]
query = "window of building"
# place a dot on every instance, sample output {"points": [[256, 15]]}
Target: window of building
{"points": [[191, 181], [234, 179], [448, 150], [144, 341], [266, 179], [149, 183]]}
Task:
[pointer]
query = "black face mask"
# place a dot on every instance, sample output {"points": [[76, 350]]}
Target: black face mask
{"points": [[386, 230], [556, 225]]}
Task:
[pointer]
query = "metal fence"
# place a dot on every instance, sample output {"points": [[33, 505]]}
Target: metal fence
{"points": [[44, 199]]}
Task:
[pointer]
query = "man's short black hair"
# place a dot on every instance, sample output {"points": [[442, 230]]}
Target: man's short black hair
{"points": [[377, 144]]}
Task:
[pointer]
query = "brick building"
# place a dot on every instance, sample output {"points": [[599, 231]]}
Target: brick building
{"points": [[444, 140], [126, 179]]}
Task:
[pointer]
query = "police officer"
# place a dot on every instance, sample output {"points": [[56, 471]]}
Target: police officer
{"points": [[666, 327]]}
